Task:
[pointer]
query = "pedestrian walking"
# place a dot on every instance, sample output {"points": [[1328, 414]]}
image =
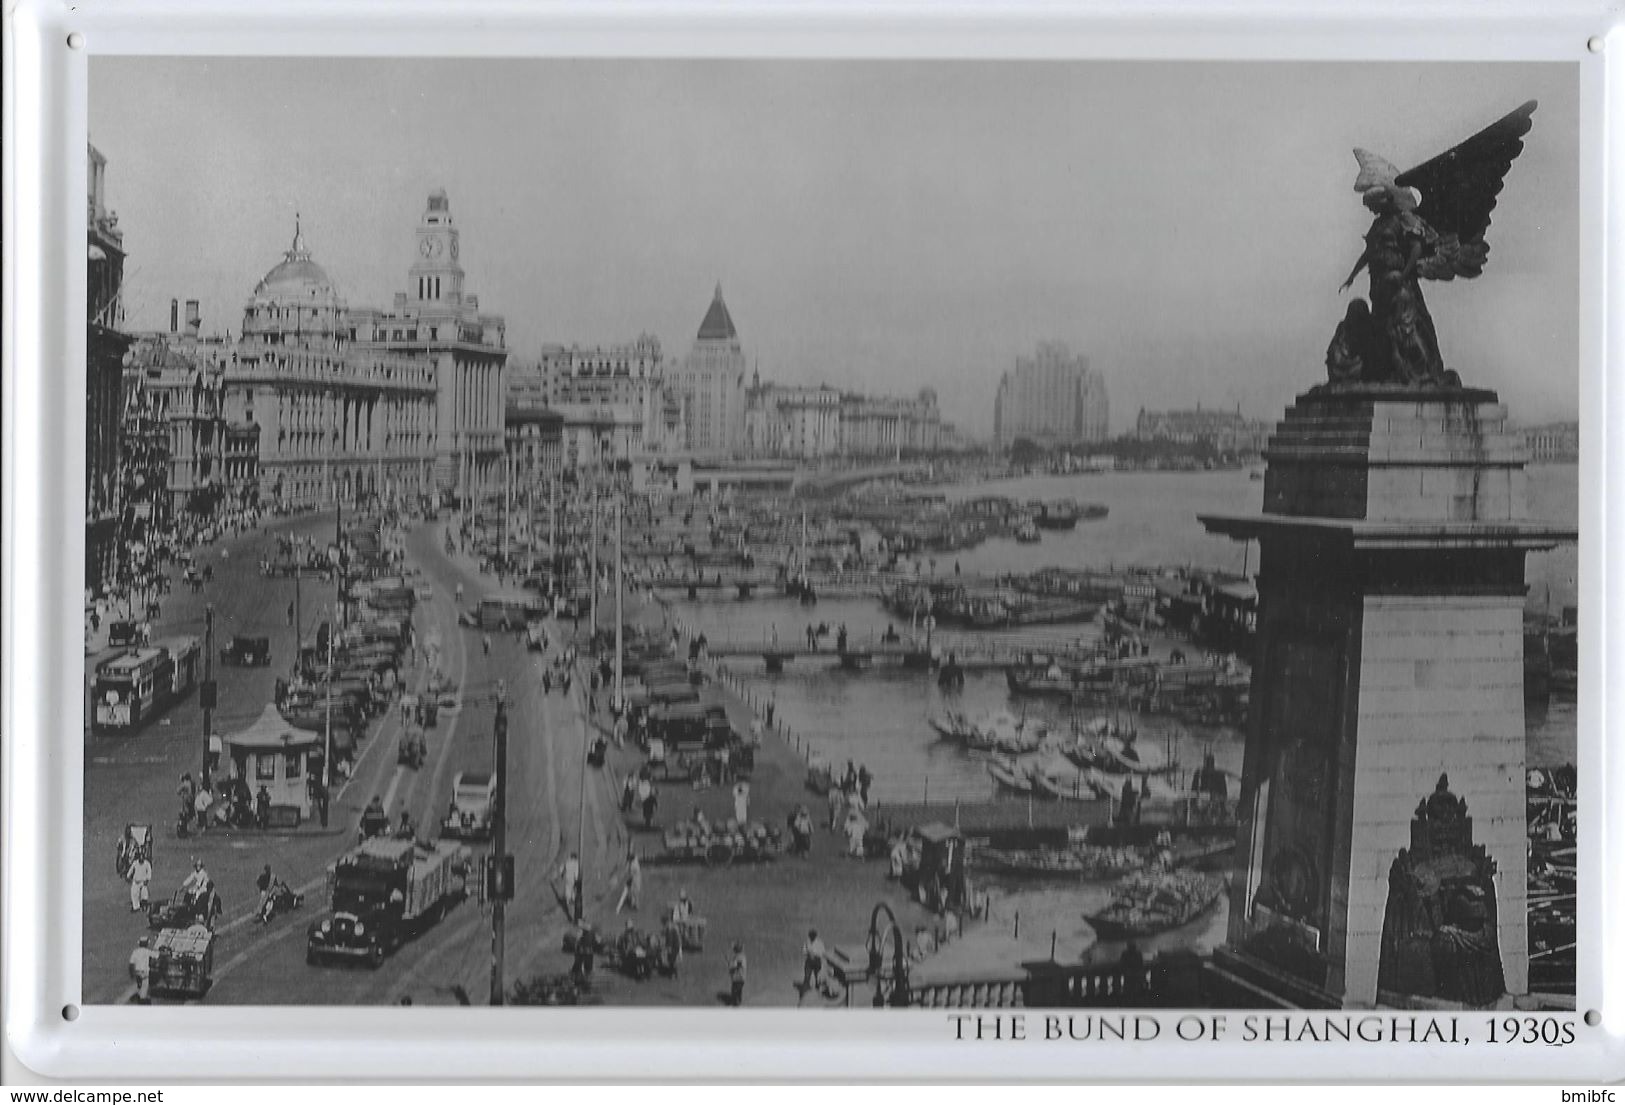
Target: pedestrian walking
{"points": [[736, 976], [812, 963], [649, 803], [632, 885], [801, 832], [290, 613], [742, 802], [141, 970], [216, 748], [856, 827], [772, 707], [140, 881], [570, 872], [864, 781], [201, 804], [837, 806], [485, 643], [620, 729], [318, 794]]}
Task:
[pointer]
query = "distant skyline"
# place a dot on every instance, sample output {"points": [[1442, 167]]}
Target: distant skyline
{"points": [[876, 226]]}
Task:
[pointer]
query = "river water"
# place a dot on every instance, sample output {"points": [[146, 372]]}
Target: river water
{"points": [[879, 717]]}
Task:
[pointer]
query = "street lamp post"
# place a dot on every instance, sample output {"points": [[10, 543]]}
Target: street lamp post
{"points": [[206, 696], [619, 619], [327, 744]]}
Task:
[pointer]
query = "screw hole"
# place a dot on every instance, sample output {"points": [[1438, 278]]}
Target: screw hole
{"points": [[70, 1012], [1593, 1018], [76, 41], [1594, 44]]}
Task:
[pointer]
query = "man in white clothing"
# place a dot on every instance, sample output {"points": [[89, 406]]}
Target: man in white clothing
{"points": [[140, 878]]}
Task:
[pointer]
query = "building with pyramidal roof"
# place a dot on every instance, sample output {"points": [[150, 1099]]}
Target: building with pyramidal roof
{"points": [[710, 386]]}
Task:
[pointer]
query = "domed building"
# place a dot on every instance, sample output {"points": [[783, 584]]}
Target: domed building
{"points": [[295, 301], [358, 403]]}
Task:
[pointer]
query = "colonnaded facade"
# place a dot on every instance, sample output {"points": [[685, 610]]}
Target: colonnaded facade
{"points": [[359, 402]]}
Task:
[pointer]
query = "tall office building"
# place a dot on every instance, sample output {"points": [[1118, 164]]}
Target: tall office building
{"points": [[1051, 398], [711, 386]]}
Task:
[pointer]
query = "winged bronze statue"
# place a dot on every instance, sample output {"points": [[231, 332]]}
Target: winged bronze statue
{"points": [[1391, 340]]}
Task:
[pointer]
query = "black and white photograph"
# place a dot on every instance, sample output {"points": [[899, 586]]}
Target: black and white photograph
{"points": [[832, 534]]}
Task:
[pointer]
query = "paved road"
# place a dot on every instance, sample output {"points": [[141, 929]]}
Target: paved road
{"points": [[133, 779]]}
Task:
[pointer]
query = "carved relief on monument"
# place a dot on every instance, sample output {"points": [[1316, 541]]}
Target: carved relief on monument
{"points": [[1439, 932]]}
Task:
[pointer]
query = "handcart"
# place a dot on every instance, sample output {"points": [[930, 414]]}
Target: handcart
{"points": [[183, 962]]}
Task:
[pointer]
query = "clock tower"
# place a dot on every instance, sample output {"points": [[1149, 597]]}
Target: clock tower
{"points": [[436, 276]]}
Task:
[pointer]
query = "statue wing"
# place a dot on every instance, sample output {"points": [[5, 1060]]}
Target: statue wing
{"points": [[1459, 188]]}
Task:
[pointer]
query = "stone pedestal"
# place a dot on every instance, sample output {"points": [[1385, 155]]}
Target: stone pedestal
{"points": [[1390, 652]]}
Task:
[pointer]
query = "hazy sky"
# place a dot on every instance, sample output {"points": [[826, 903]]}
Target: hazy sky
{"points": [[882, 226]]}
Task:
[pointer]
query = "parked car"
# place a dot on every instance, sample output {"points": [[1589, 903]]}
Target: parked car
{"points": [[247, 652]]}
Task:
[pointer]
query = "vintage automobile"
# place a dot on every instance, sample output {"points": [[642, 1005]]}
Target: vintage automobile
{"points": [[473, 798], [247, 652], [413, 749], [383, 893], [125, 634]]}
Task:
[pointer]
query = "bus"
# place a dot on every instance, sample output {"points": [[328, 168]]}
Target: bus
{"points": [[131, 689]]}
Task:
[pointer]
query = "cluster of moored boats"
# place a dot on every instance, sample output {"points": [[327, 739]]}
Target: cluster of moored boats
{"points": [[1093, 760], [953, 604], [1550, 795]]}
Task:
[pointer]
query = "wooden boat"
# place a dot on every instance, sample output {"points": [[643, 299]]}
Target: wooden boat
{"points": [[1064, 514], [1008, 777], [1153, 902], [1203, 854], [1078, 861], [1125, 753], [1050, 681], [1011, 735], [1045, 784]]}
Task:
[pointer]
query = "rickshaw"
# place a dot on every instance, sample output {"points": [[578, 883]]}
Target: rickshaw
{"points": [[938, 881], [183, 909], [135, 843]]}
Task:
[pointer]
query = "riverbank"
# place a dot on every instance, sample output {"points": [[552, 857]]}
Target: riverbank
{"points": [[768, 907]]}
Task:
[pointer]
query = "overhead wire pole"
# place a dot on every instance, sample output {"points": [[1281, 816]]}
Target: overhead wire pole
{"points": [[619, 619], [327, 742], [207, 696], [581, 821], [499, 886], [298, 622], [592, 624]]}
